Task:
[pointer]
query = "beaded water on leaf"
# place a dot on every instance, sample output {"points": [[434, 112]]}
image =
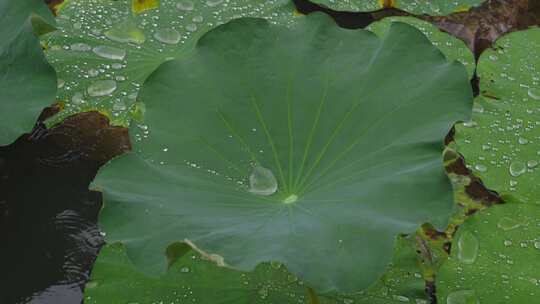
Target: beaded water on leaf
{"points": [[262, 181]]}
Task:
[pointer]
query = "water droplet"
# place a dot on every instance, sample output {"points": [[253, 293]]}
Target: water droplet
{"points": [[191, 27], [480, 168], [470, 124], [93, 72], [80, 47], [184, 269], [507, 223], [101, 88], [198, 19], [262, 181], [213, 3], [507, 243], [462, 297], [532, 164], [467, 248], [77, 98], [167, 35], [110, 52], [61, 83], [534, 93], [517, 168], [126, 32], [537, 245], [185, 6], [523, 141]]}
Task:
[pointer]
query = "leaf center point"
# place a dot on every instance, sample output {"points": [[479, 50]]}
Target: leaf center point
{"points": [[290, 199]]}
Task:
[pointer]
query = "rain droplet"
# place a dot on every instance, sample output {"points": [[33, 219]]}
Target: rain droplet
{"points": [[167, 35], [507, 223], [532, 164], [77, 98], [517, 168], [480, 168], [534, 93], [198, 19], [191, 27], [462, 297], [213, 3], [184, 269], [467, 248], [262, 181], [185, 6], [110, 52], [537, 245], [101, 88], [80, 47], [126, 32]]}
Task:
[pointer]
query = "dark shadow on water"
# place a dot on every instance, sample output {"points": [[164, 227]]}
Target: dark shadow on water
{"points": [[48, 216]]}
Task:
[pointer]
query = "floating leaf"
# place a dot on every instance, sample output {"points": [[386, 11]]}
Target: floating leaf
{"points": [[505, 243], [353, 141], [428, 7], [501, 142], [101, 40], [139, 6], [28, 82], [115, 279], [452, 48]]}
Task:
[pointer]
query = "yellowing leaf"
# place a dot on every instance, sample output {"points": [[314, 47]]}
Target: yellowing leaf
{"points": [[138, 6]]}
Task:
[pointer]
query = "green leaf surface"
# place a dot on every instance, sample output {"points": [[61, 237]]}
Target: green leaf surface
{"points": [[452, 48], [28, 83], [428, 7], [103, 53], [501, 143], [494, 258], [353, 142], [191, 278]]}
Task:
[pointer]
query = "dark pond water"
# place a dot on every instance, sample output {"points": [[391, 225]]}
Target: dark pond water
{"points": [[48, 233]]}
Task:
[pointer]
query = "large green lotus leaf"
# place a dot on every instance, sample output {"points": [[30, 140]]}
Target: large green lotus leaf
{"points": [[116, 280], [452, 48], [428, 7], [494, 258], [501, 143], [103, 53], [28, 83], [330, 118]]}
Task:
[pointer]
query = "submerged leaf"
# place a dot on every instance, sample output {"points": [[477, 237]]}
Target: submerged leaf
{"points": [[353, 141]]}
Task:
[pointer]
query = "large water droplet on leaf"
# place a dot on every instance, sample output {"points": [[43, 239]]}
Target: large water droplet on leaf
{"points": [[110, 52], [507, 223], [262, 181], [185, 5], [167, 35], [212, 3], [462, 297], [534, 93], [467, 248], [517, 168], [126, 32], [101, 88]]}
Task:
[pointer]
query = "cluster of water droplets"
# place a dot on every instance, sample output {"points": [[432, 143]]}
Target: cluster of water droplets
{"points": [[500, 247], [103, 54], [502, 141], [430, 7]]}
